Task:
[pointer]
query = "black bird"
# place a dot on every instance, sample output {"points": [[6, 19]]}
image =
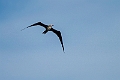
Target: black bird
{"points": [[48, 28]]}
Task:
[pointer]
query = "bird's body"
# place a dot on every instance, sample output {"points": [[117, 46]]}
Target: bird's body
{"points": [[49, 28]]}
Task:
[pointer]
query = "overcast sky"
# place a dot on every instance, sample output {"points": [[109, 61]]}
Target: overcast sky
{"points": [[91, 37]]}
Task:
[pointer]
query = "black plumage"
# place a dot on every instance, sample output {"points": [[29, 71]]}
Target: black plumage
{"points": [[49, 28]]}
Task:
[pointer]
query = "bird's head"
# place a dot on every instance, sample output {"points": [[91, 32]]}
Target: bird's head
{"points": [[51, 25]]}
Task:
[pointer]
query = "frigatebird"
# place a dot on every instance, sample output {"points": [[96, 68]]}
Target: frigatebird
{"points": [[48, 28]]}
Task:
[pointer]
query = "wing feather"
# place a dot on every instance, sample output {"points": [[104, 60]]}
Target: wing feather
{"points": [[58, 33], [38, 23]]}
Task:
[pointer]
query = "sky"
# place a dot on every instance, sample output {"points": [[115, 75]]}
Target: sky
{"points": [[91, 37]]}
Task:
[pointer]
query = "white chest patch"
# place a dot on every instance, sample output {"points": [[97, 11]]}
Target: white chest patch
{"points": [[49, 27]]}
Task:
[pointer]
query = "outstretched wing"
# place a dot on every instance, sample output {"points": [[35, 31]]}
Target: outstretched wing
{"points": [[38, 23], [58, 33]]}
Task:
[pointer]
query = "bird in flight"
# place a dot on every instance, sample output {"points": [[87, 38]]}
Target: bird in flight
{"points": [[49, 28]]}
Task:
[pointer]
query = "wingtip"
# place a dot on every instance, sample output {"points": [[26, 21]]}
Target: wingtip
{"points": [[63, 51], [25, 28], [22, 29]]}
